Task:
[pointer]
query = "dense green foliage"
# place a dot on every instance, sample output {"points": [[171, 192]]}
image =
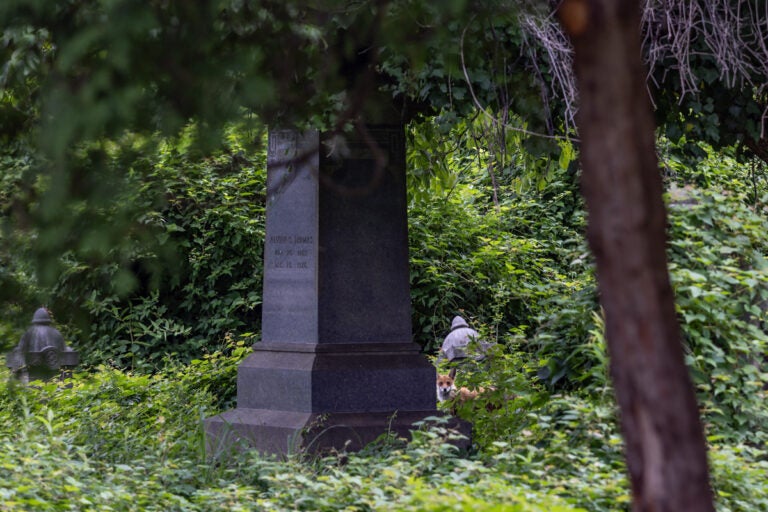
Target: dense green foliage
{"points": [[718, 266], [187, 305], [500, 251], [132, 203], [183, 267], [122, 441], [202, 280], [178, 292], [115, 441]]}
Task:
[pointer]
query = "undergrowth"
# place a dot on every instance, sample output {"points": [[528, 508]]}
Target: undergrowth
{"points": [[112, 440]]}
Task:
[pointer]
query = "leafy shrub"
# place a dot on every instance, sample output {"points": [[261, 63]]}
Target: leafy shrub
{"points": [[568, 339], [123, 441], [717, 254], [216, 372], [507, 377], [119, 441], [571, 443], [501, 267], [718, 249], [566, 442], [194, 273], [727, 169], [738, 475], [20, 294]]}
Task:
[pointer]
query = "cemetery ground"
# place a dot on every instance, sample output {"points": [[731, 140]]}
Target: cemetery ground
{"points": [[133, 200], [126, 432], [113, 440]]}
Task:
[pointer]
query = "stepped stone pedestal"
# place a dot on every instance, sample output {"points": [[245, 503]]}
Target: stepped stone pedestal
{"points": [[336, 367]]}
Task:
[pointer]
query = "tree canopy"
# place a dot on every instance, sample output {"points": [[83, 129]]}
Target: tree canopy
{"points": [[76, 72]]}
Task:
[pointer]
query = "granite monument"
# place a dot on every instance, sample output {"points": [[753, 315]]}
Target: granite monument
{"points": [[336, 366]]}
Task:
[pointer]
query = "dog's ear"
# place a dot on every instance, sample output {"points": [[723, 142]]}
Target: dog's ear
{"points": [[452, 373]]}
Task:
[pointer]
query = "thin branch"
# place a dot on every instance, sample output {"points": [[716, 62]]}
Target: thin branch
{"points": [[493, 118], [733, 33]]}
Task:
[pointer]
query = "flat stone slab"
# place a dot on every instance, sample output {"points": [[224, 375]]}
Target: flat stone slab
{"points": [[289, 432], [337, 378]]}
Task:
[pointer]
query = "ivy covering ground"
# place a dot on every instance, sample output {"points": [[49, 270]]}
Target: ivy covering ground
{"points": [[174, 306], [117, 441]]}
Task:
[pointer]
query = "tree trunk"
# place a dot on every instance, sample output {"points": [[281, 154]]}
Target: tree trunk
{"points": [[621, 182]]}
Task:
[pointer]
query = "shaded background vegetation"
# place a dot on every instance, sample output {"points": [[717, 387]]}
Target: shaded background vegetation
{"points": [[134, 209], [516, 267]]}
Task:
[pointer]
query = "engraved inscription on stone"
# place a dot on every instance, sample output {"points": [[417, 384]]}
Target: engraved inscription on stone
{"points": [[290, 252], [289, 313]]}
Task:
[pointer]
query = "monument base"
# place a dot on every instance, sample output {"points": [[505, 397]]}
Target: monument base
{"points": [[312, 398], [336, 378], [288, 432]]}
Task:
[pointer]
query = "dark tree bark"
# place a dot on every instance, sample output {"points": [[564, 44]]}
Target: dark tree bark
{"points": [[621, 182]]}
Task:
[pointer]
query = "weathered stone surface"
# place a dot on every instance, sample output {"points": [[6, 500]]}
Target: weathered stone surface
{"points": [[41, 352], [290, 306], [338, 378], [285, 432], [364, 283]]}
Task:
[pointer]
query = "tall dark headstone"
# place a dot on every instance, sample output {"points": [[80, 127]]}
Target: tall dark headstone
{"points": [[336, 365]]}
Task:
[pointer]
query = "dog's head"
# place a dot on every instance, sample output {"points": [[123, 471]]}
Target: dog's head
{"points": [[446, 387]]}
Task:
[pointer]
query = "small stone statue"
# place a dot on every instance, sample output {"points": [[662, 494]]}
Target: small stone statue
{"points": [[455, 344], [41, 353]]}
